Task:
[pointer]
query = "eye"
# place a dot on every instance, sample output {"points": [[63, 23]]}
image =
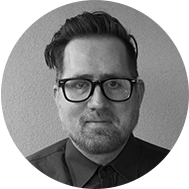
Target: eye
{"points": [[79, 85], [114, 84]]}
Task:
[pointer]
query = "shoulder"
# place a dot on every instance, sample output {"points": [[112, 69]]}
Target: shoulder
{"points": [[150, 155], [51, 161], [58, 147], [151, 148]]}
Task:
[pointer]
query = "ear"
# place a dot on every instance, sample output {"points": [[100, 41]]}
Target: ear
{"points": [[56, 96], [140, 91]]}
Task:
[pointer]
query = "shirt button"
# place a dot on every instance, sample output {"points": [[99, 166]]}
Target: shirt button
{"points": [[105, 172], [109, 170]]}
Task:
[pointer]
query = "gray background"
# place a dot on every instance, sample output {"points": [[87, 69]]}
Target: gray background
{"points": [[27, 88]]}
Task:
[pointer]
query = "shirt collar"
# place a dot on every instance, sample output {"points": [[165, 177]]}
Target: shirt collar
{"points": [[126, 162], [82, 169]]}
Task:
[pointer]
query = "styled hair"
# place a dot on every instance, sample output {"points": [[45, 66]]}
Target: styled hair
{"points": [[88, 24]]}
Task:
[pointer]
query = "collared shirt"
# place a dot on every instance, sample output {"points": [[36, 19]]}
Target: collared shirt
{"points": [[64, 163]]}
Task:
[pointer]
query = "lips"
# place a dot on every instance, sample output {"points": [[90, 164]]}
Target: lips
{"points": [[103, 117], [98, 121]]}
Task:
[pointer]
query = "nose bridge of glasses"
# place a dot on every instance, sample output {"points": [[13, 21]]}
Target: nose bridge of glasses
{"points": [[94, 85]]}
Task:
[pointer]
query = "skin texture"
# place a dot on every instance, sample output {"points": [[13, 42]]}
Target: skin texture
{"points": [[98, 127]]}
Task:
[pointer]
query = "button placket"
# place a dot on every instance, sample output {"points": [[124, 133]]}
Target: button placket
{"points": [[105, 176]]}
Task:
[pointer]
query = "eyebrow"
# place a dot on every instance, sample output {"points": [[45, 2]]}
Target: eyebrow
{"points": [[88, 76], [102, 76]]}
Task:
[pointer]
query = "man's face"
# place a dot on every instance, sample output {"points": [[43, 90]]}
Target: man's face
{"points": [[98, 125]]}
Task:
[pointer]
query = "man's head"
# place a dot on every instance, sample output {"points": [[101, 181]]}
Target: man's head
{"points": [[87, 25], [101, 109]]}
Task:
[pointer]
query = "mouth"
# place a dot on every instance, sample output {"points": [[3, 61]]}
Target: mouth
{"points": [[97, 122]]}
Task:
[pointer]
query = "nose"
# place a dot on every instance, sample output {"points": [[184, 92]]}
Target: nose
{"points": [[97, 100]]}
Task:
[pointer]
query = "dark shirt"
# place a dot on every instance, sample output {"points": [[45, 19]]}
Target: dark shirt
{"points": [[64, 163]]}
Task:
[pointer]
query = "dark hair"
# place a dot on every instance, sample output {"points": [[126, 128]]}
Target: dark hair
{"points": [[97, 23]]}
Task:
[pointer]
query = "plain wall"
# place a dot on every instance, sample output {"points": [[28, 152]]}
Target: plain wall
{"points": [[27, 88]]}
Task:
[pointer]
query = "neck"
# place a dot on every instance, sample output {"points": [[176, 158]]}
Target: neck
{"points": [[101, 159]]}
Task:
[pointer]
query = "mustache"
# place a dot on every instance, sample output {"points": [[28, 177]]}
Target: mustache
{"points": [[104, 115]]}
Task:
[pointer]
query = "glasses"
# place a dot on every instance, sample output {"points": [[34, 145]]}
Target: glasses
{"points": [[81, 89]]}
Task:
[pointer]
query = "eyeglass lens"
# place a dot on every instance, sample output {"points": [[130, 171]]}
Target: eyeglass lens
{"points": [[80, 89]]}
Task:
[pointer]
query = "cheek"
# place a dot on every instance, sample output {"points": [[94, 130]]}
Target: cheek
{"points": [[71, 113], [123, 111]]}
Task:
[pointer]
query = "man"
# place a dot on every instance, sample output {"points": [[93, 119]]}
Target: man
{"points": [[98, 94]]}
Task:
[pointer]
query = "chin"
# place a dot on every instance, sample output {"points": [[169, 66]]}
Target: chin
{"points": [[100, 143]]}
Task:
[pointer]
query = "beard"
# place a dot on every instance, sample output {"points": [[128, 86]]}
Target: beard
{"points": [[102, 138]]}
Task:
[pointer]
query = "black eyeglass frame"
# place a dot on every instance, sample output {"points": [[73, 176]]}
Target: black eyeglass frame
{"points": [[62, 82]]}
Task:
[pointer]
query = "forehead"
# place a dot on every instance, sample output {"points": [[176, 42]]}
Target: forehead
{"points": [[96, 56]]}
